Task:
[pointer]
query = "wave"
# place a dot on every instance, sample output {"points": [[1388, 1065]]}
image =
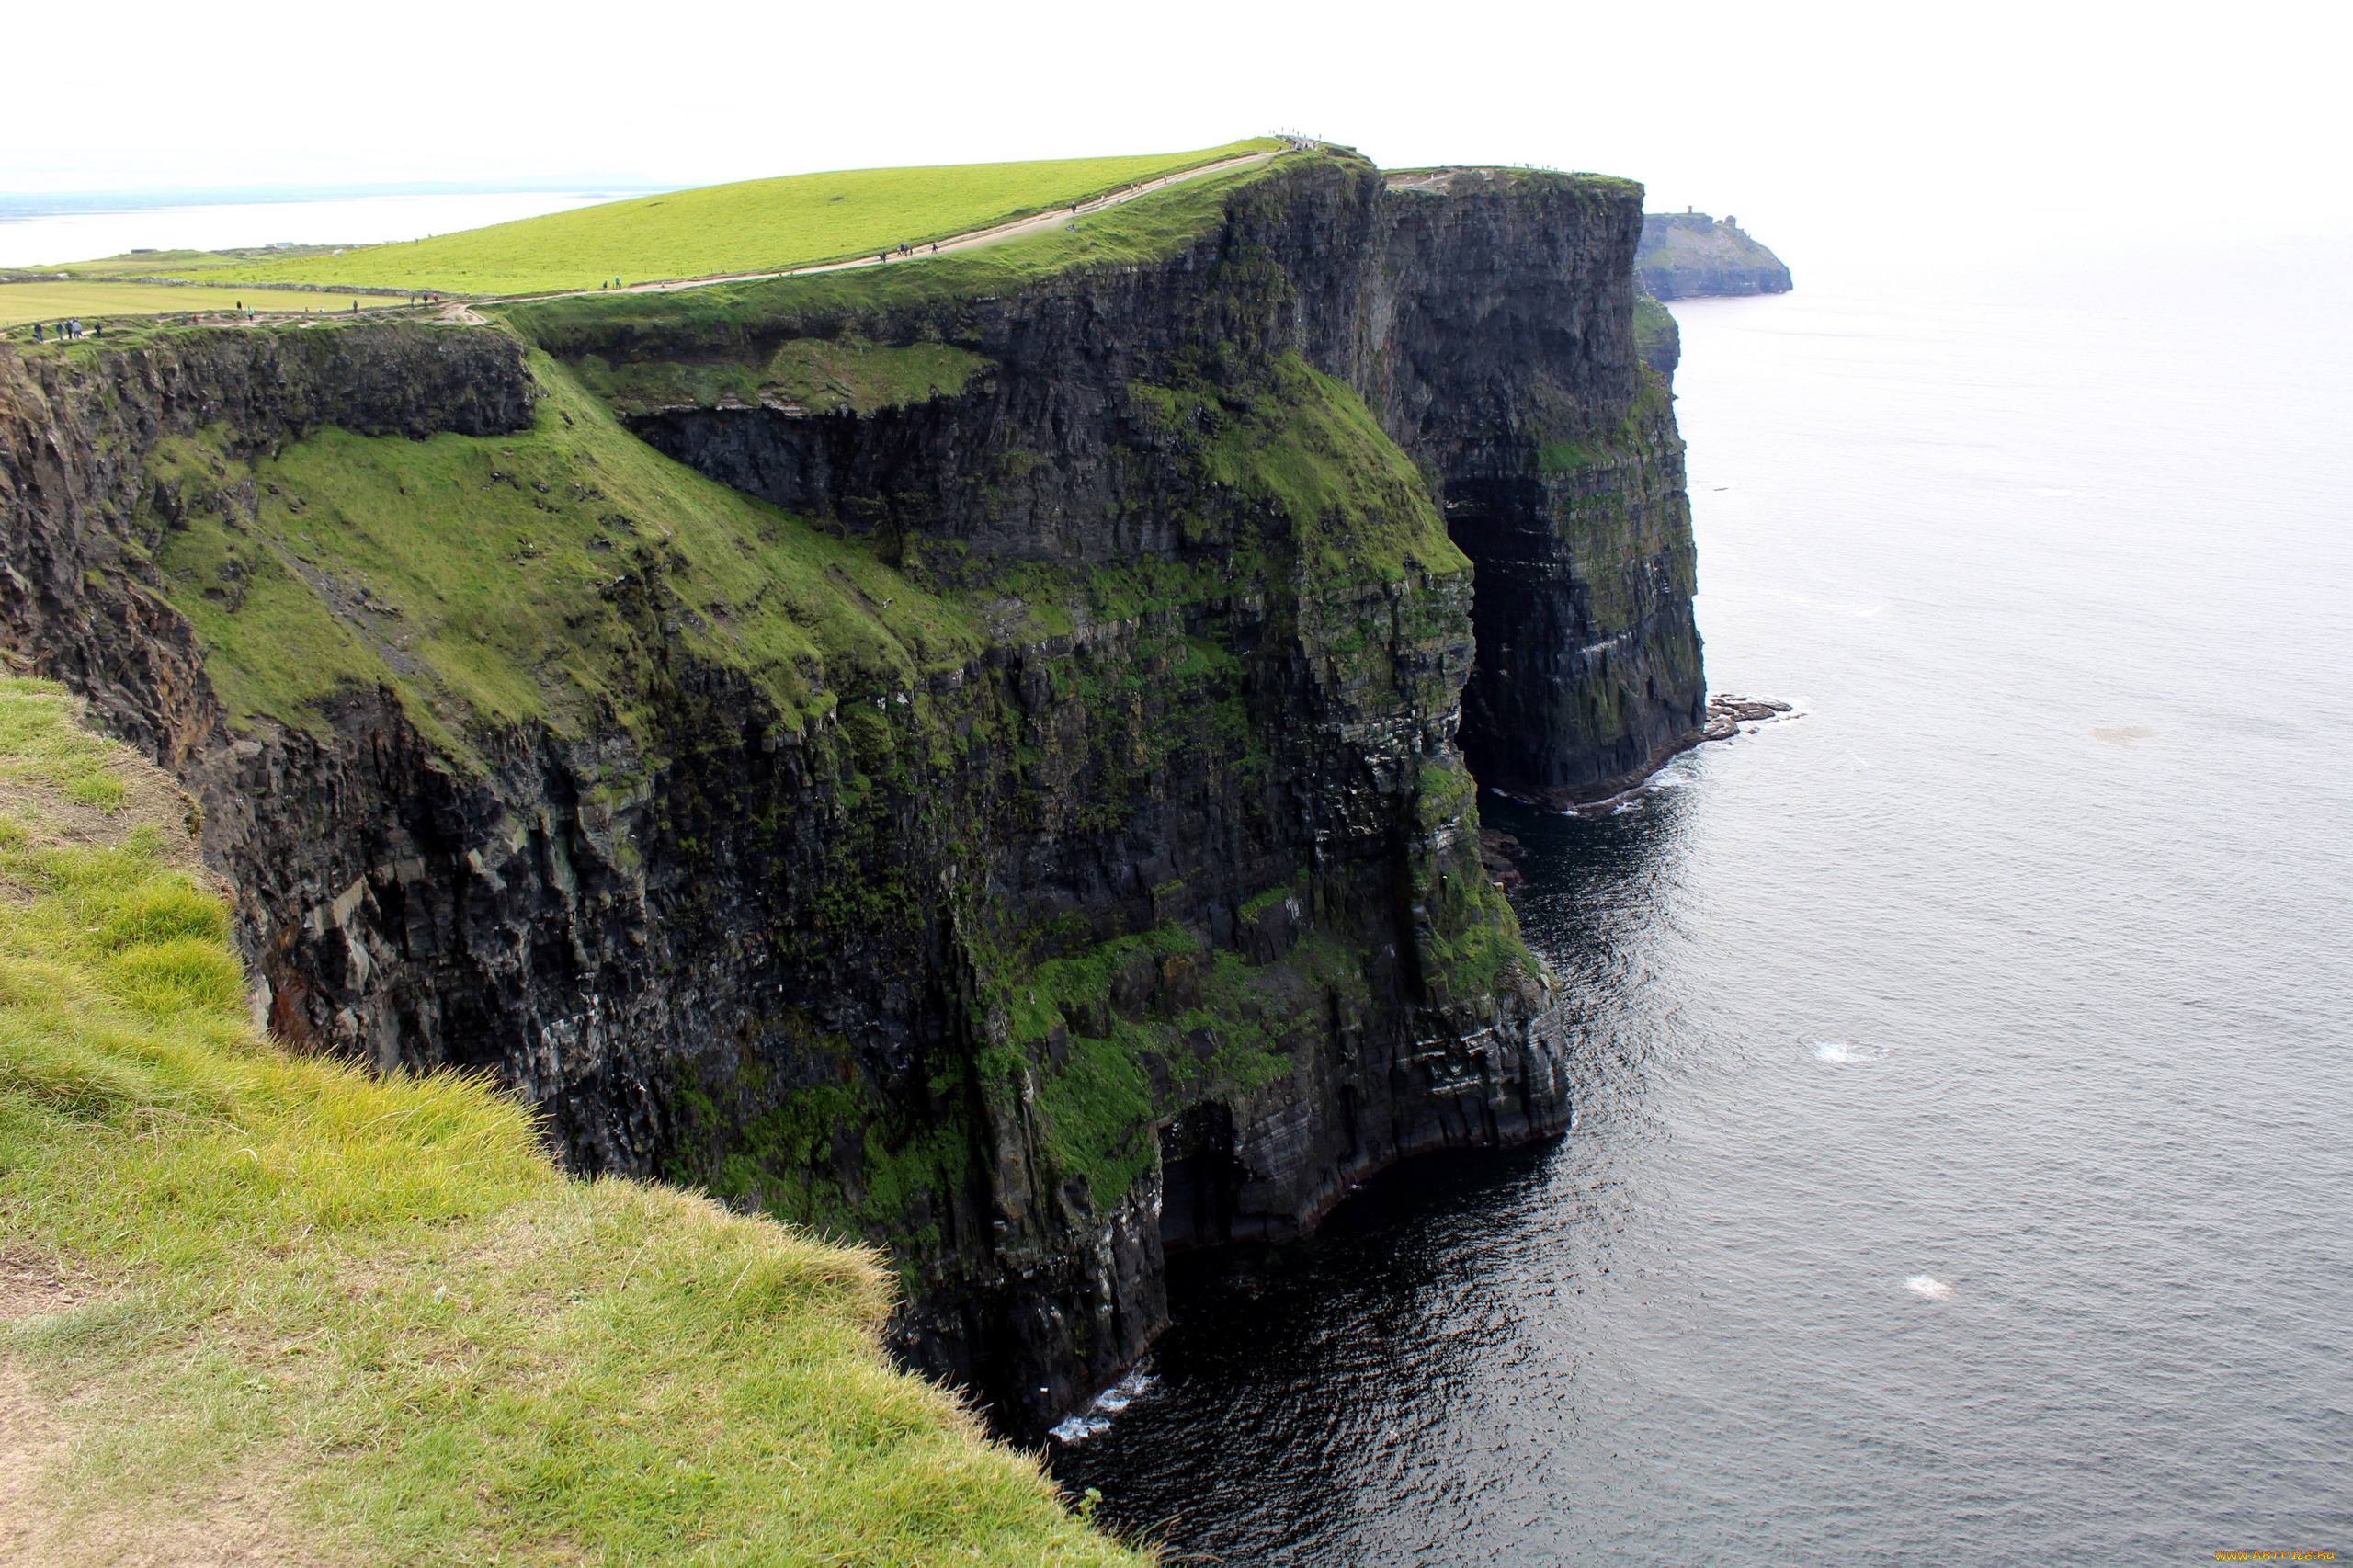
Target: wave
{"points": [[1844, 1051], [1096, 1419], [1929, 1288], [1076, 1429]]}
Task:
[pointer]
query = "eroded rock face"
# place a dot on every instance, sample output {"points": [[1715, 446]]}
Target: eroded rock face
{"points": [[1486, 316], [79, 597], [1562, 475], [1155, 923]]}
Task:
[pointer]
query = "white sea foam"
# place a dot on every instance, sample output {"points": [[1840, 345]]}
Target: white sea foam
{"points": [[1844, 1051], [1124, 1393], [1929, 1288], [1096, 1419]]}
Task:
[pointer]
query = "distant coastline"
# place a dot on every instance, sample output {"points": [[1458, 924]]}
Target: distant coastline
{"points": [[23, 204], [1688, 254], [45, 230]]}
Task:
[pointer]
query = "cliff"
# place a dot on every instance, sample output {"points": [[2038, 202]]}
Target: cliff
{"points": [[266, 1308], [1686, 256], [976, 757]]}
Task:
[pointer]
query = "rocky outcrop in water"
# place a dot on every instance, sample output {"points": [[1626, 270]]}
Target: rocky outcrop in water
{"points": [[1139, 907], [1688, 256]]}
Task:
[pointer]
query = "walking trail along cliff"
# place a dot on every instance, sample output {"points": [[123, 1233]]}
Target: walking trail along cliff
{"points": [[986, 235]]}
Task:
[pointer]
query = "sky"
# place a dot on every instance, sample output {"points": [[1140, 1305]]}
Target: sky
{"points": [[1898, 125]]}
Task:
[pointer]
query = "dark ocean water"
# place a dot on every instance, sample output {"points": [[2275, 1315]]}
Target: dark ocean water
{"points": [[1963, 1171]]}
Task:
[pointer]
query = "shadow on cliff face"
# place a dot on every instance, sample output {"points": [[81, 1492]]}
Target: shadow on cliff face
{"points": [[1587, 674], [1300, 1385]]}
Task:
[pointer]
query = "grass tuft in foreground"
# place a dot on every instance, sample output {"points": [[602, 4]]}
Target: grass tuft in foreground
{"points": [[364, 1320]]}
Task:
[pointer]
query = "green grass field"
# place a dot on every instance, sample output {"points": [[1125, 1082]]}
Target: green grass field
{"points": [[708, 325], [282, 1305], [22, 302], [485, 565], [754, 226]]}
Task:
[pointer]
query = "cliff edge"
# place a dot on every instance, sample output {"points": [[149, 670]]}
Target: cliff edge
{"points": [[266, 1308]]}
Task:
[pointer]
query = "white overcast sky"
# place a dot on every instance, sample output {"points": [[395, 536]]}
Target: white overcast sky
{"points": [[1906, 121]]}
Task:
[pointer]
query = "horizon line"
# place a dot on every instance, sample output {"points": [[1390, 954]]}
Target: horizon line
{"points": [[62, 203]]}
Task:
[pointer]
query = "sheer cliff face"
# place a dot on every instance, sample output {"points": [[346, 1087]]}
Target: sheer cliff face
{"points": [[1486, 316], [1515, 376], [1042, 844]]}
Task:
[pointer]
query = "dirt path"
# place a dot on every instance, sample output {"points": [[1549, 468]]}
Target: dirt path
{"points": [[995, 233], [238, 1521]]}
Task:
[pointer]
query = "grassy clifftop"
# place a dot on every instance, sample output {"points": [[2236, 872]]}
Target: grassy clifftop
{"points": [[756, 225], [713, 323], [326, 1317], [548, 576], [555, 574]]}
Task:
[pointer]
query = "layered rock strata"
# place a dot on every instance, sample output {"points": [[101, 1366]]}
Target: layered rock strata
{"points": [[1022, 819]]}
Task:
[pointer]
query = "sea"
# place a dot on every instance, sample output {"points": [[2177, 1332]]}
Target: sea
{"points": [[1962, 1170]]}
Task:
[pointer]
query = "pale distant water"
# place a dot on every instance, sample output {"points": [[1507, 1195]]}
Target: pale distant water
{"points": [[1964, 1167], [44, 238]]}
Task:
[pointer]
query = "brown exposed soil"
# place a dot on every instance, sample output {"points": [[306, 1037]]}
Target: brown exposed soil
{"points": [[241, 1521]]}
